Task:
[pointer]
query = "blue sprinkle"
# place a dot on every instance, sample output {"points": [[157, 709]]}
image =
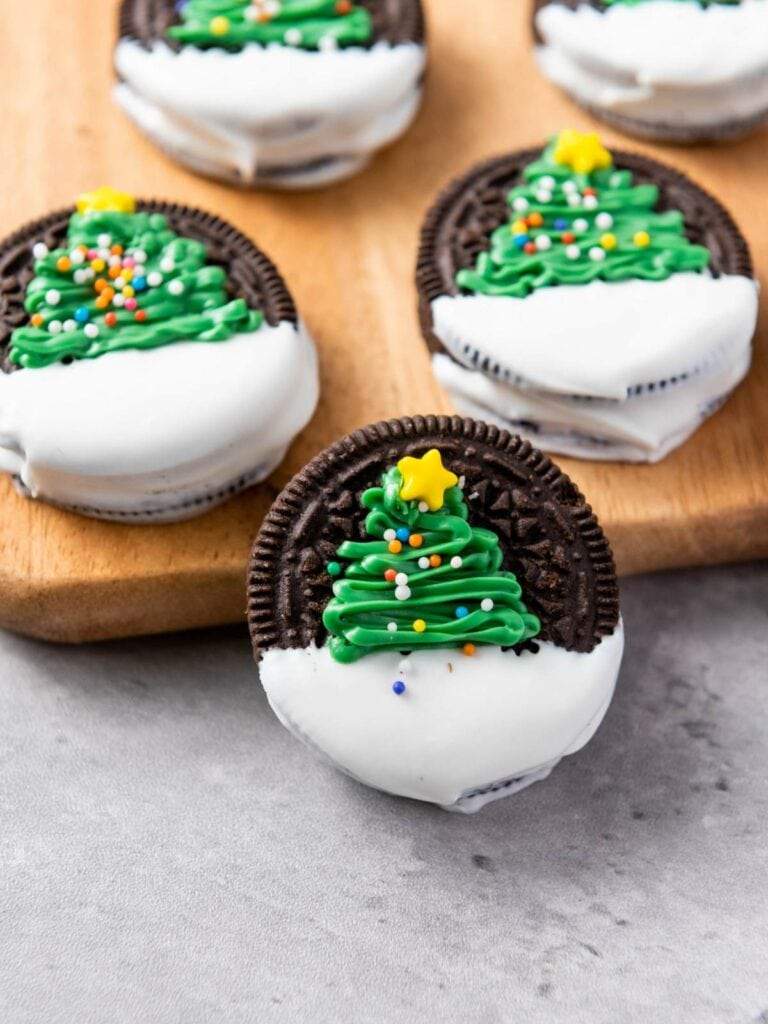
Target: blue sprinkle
{"points": [[403, 534], [561, 224], [521, 240], [462, 612], [139, 283], [398, 687], [82, 315]]}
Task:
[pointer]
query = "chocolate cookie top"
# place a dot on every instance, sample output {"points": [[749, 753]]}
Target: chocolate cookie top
{"points": [[392, 21], [460, 225], [549, 536], [250, 275]]}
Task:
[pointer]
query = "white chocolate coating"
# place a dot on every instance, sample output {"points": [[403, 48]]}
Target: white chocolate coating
{"points": [[644, 428], [271, 115], [143, 434], [463, 724], [662, 62]]}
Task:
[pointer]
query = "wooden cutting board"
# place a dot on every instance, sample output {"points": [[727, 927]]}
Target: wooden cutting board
{"points": [[348, 255]]}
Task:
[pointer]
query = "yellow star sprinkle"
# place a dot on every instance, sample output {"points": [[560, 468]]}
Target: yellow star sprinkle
{"points": [[426, 479], [107, 200], [582, 152]]}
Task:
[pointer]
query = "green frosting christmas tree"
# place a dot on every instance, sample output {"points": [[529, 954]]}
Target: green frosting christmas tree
{"points": [[426, 578], [123, 280], [576, 218], [307, 24]]}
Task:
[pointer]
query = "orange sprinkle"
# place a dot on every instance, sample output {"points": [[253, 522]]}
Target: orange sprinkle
{"points": [[395, 546], [343, 7], [102, 302], [535, 220], [416, 540], [435, 560], [116, 250], [114, 272], [140, 315], [99, 284], [469, 649], [63, 264], [37, 320]]}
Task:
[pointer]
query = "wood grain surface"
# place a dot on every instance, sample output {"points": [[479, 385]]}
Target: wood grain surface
{"points": [[348, 256]]}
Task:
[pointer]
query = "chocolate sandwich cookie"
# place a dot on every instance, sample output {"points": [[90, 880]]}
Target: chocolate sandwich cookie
{"points": [[434, 608], [152, 360], [275, 93], [672, 70], [599, 303]]}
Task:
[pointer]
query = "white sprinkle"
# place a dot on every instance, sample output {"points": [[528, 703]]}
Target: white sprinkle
{"points": [[39, 250], [154, 279], [328, 43], [54, 326], [572, 252], [520, 204], [580, 224], [401, 579], [423, 506], [456, 562], [175, 287], [615, 180], [596, 253], [604, 220], [251, 14], [390, 535], [104, 253], [139, 270], [104, 240], [547, 181], [114, 261], [569, 186], [139, 255], [167, 265], [574, 199], [69, 326], [392, 627], [52, 297], [271, 7], [487, 604], [91, 331], [543, 242], [402, 593], [118, 300], [77, 256], [424, 562], [293, 37], [543, 196], [120, 282], [90, 273], [590, 202], [80, 276]]}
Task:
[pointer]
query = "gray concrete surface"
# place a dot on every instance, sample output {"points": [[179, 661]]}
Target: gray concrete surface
{"points": [[170, 855]]}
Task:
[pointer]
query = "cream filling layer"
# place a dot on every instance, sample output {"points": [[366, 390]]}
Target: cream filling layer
{"points": [[142, 431], [463, 722], [642, 429], [270, 107], [601, 340], [661, 61]]}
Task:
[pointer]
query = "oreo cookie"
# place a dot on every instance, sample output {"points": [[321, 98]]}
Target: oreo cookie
{"points": [[284, 95], [675, 72], [434, 607], [600, 303], [153, 362]]}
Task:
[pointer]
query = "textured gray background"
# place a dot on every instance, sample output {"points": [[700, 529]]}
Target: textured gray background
{"points": [[171, 854]]}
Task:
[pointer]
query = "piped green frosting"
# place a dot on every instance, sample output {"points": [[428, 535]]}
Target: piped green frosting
{"points": [[165, 292], [576, 218], [307, 24], [462, 596]]}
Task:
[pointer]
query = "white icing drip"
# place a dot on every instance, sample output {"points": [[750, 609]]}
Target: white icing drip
{"points": [[641, 429], [141, 431], [601, 340], [662, 61], [463, 722], [240, 114]]}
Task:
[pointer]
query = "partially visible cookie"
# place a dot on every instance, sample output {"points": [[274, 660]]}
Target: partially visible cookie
{"points": [[599, 303], [435, 608], [152, 360], [671, 70], [273, 93]]}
